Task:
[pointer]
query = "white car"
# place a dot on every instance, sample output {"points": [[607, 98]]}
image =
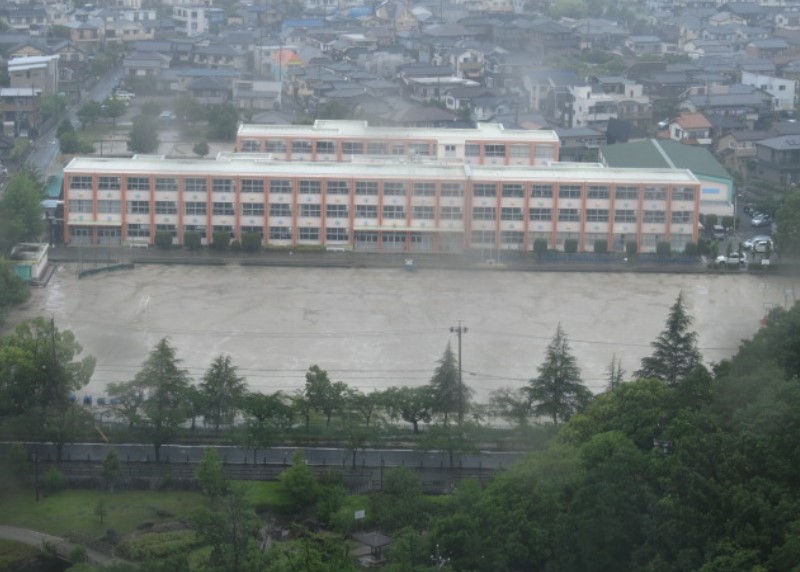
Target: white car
{"points": [[748, 244], [732, 259]]}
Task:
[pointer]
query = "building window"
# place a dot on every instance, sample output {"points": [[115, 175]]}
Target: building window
{"points": [[512, 238], [590, 238], [451, 213], [280, 209], [377, 148], [139, 230], [138, 183], [424, 189], [569, 192], [223, 228], [166, 207], [472, 150], [542, 191], [520, 151], [301, 146], [312, 210], [545, 152], [653, 216], [511, 213], [170, 228], [138, 207], [194, 208], [336, 233], [513, 190], [222, 185], [678, 242], [253, 209], [310, 187], [275, 146], [449, 150], [308, 233], [337, 187], [280, 233], [394, 189], [252, 185], [494, 150], [326, 147], [419, 149], [352, 148], [655, 194], [366, 188], [624, 216], [223, 209], [108, 183], [484, 213], [423, 212], [251, 146], [681, 217], [253, 230], [394, 212], [80, 206], [483, 237], [168, 185], [109, 207], [452, 189], [568, 215], [683, 194], [280, 186], [627, 193], [366, 211], [484, 190], [337, 211], [80, 182], [366, 237], [194, 185], [541, 214], [596, 215], [596, 192]]}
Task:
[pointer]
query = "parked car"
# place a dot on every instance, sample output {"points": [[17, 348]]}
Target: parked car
{"points": [[166, 116], [761, 221], [732, 259], [765, 245], [719, 232], [748, 244]]}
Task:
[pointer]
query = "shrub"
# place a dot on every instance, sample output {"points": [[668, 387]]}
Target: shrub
{"points": [[631, 248], [158, 545], [236, 246], [691, 249], [220, 240], [77, 554], [53, 481], [664, 249], [251, 242], [601, 246], [164, 239], [540, 246], [711, 221], [571, 245], [192, 240]]}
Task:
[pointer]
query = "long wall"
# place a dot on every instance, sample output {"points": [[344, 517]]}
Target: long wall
{"points": [[403, 205]]}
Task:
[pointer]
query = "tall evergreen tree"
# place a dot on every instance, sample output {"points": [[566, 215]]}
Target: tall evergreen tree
{"points": [[449, 394], [676, 353], [221, 392], [615, 373], [165, 386], [558, 391]]}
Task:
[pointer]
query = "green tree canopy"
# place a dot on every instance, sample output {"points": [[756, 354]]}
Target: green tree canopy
{"points": [[450, 395], [558, 391], [21, 211], [675, 352], [143, 137], [221, 392]]}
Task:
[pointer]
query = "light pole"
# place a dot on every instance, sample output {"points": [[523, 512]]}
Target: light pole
{"points": [[459, 330]]}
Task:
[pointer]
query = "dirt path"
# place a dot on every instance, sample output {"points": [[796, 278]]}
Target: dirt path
{"points": [[62, 545]]}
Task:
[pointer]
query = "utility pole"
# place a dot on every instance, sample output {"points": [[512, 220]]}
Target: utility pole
{"points": [[459, 330]]}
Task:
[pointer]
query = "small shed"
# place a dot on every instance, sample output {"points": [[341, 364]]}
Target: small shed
{"points": [[30, 260], [371, 548]]}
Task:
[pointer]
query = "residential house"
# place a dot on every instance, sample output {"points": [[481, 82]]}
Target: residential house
{"points": [[691, 128], [144, 64], [781, 90], [778, 159], [20, 111], [737, 150], [257, 95], [767, 49], [25, 18], [217, 56], [192, 20], [747, 106], [211, 90], [644, 45], [579, 144], [39, 72], [86, 35]]}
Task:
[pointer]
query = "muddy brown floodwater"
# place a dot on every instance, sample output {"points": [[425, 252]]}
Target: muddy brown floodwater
{"points": [[373, 328]]}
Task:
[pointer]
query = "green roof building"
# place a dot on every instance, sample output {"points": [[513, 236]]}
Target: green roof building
{"points": [[716, 183]]}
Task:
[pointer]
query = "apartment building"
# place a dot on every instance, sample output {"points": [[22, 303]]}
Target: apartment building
{"points": [[402, 205], [330, 140]]}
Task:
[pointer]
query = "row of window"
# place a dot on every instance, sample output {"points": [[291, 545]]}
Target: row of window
{"points": [[390, 188], [371, 211]]}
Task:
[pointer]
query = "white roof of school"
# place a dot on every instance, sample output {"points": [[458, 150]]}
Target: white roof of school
{"points": [[261, 165], [362, 129]]}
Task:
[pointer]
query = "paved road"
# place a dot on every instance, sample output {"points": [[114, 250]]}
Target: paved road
{"points": [[62, 545]]}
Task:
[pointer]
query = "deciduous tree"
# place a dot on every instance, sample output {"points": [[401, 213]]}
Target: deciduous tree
{"points": [[411, 404], [21, 211]]}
